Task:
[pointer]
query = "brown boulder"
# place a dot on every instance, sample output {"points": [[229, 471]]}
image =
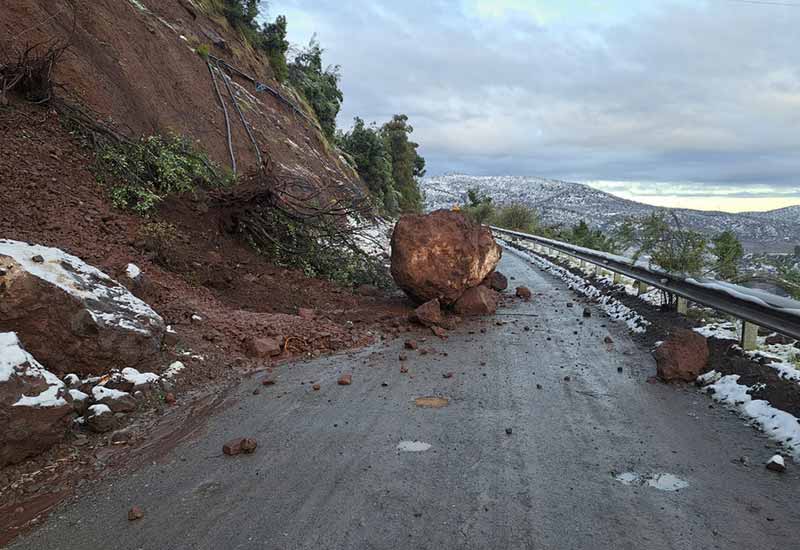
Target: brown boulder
{"points": [[97, 322], [524, 293], [263, 348], [100, 418], [683, 356], [440, 255], [35, 407], [429, 314], [496, 281], [478, 300]]}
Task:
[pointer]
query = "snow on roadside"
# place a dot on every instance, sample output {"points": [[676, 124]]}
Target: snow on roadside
{"points": [[15, 361], [779, 425], [614, 308]]}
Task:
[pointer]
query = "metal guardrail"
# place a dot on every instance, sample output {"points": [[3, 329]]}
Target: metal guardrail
{"points": [[753, 307]]}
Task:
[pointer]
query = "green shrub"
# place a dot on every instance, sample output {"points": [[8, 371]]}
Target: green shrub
{"points": [[517, 217], [319, 86], [275, 45], [144, 172]]}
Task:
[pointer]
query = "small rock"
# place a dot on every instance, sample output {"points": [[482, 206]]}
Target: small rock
{"points": [[384, 385], [439, 331], [776, 464], [169, 399], [587, 312], [567, 379], [121, 436], [135, 513], [403, 370], [241, 445], [509, 431], [524, 293], [256, 391], [570, 304], [447, 375], [538, 386], [411, 344], [345, 380], [619, 369], [37, 259], [608, 340], [316, 387], [403, 357], [429, 314]]}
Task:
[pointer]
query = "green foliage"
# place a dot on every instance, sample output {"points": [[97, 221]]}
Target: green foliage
{"points": [[595, 239], [670, 247], [241, 14], [275, 45], [367, 148], [480, 208], [728, 251], [203, 50], [407, 164], [790, 276], [319, 86], [143, 173], [517, 217]]}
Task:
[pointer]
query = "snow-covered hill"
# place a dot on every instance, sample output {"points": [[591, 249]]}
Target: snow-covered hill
{"points": [[565, 203]]}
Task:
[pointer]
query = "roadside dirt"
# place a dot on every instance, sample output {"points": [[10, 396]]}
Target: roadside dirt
{"points": [[51, 197]]}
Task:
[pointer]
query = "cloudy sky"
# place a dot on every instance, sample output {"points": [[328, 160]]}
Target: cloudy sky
{"points": [[674, 102]]}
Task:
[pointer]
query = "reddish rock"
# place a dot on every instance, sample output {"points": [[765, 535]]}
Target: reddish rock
{"points": [[268, 382], [403, 357], [35, 407], [439, 331], [447, 375], [524, 293], [778, 339], [135, 513], [97, 322], [608, 340], [316, 387], [411, 344], [403, 370], [496, 281], [429, 314], [263, 348], [440, 255], [345, 380], [683, 356], [169, 399], [240, 445], [479, 300]]}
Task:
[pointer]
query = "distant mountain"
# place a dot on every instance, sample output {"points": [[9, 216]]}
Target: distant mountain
{"points": [[565, 204]]}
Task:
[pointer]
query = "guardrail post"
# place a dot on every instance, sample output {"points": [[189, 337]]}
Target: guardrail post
{"points": [[641, 288], [749, 336], [617, 278], [683, 306]]}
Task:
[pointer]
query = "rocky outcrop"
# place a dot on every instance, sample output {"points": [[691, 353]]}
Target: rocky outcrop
{"points": [[441, 255], [683, 356], [479, 300], [47, 296], [35, 406]]}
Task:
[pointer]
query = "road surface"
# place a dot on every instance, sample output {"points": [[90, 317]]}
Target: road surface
{"points": [[328, 475]]}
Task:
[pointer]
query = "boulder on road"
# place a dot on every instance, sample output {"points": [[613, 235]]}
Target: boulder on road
{"points": [[496, 281], [479, 300], [683, 356], [34, 404], [440, 255], [429, 314], [47, 296]]}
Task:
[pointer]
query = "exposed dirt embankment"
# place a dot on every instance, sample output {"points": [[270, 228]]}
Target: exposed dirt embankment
{"points": [[133, 63]]}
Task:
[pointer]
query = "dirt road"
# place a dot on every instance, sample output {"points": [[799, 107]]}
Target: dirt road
{"points": [[578, 470]]}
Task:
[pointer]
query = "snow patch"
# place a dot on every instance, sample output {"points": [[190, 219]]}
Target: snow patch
{"points": [[101, 392], [779, 425], [15, 361], [97, 410], [173, 370], [139, 378], [133, 271], [662, 482], [413, 446]]}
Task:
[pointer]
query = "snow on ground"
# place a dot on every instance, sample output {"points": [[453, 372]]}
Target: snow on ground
{"points": [[374, 238], [614, 308], [779, 425], [15, 361], [139, 378], [108, 302], [101, 392], [173, 370]]}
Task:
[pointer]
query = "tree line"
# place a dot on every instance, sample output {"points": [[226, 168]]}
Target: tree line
{"points": [[384, 155]]}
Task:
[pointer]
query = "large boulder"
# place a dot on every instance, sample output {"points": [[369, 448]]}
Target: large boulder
{"points": [[683, 356], [440, 255], [479, 300], [35, 406], [48, 296], [429, 314]]}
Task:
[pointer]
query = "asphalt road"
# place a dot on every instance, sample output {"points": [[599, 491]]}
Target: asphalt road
{"points": [[327, 473]]}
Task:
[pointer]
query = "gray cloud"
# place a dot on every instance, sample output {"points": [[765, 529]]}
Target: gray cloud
{"points": [[706, 93]]}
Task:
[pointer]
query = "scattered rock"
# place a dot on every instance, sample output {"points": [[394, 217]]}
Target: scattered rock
{"points": [[538, 386], [262, 348], [97, 322], [268, 382], [608, 340], [169, 398], [567, 379], [403, 370], [429, 314], [117, 401], [509, 431], [135, 513], [479, 300], [411, 344], [441, 254], [240, 445], [316, 387], [448, 375], [306, 313], [121, 436], [776, 464], [778, 339], [403, 357], [587, 312], [100, 419], [683, 356], [345, 380], [439, 331], [524, 293]]}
